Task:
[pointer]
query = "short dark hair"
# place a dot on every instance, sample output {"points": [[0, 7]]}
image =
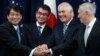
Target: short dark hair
{"points": [[15, 7], [45, 7]]}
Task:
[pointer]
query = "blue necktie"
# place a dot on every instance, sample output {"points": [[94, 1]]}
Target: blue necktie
{"points": [[18, 34], [64, 29]]}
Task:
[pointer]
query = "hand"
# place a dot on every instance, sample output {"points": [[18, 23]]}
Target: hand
{"points": [[41, 50], [46, 52]]}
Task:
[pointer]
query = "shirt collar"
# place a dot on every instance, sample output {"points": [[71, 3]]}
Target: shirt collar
{"points": [[68, 22], [15, 27], [40, 25], [91, 23]]}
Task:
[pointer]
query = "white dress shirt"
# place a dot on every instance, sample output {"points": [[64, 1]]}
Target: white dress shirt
{"points": [[15, 27], [88, 30], [42, 26]]}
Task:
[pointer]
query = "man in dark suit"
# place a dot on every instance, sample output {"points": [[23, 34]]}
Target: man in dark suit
{"points": [[88, 37], [64, 30], [13, 39], [39, 36]]}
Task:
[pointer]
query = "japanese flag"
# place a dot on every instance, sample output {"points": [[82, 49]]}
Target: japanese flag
{"points": [[53, 16]]}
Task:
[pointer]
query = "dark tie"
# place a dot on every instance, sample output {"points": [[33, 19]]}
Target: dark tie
{"points": [[64, 29], [39, 29], [18, 34]]}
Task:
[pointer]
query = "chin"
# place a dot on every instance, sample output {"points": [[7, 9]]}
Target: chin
{"points": [[15, 23]]}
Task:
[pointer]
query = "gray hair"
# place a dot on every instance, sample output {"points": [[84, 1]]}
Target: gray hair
{"points": [[90, 7], [67, 5]]}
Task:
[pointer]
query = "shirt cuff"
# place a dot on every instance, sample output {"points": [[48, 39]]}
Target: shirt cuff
{"points": [[31, 54], [51, 51]]}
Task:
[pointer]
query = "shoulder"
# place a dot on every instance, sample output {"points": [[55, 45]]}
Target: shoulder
{"points": [[48, 28], [29, 25], [5, 26]]}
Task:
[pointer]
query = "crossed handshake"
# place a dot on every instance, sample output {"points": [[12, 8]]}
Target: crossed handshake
{"points": [[42, 50]]}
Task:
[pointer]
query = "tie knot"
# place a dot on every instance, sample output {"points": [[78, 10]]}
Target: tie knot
{"points": [[65, 26], [17, 30], [87, 27], [39, 27]]}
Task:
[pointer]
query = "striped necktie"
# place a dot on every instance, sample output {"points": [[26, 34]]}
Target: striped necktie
{"points": [[18, 34], [64, 29]]}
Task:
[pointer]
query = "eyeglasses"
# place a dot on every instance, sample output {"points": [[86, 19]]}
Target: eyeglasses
{"points": [[41, 13]]}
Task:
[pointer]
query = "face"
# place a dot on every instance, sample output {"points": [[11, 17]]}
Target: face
{"points": [[64, 14], [42, 16], [82, 15], [14, 17]]}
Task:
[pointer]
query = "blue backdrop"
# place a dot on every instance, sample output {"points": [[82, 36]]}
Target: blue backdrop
{"points": [[29, 7]]}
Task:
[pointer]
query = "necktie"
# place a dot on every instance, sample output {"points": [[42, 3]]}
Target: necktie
{"points": [[86, 34], [18, 34], [64, 29], [39, 29]]}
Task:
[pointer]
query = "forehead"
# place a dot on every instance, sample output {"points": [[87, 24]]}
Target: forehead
{"points": [[63, 8], [13, 11], [80, 9]]}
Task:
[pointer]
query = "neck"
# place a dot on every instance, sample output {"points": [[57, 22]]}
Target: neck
{"points": [[41, 23]]}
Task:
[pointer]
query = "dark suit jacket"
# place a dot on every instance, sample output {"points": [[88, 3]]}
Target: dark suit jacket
{"points": [[58, 38], [9, 45], [93, 42], [33, 32]]}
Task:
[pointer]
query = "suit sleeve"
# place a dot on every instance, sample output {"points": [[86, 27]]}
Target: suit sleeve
{"points": [[9, 40], [71, 44], [51, 40]]}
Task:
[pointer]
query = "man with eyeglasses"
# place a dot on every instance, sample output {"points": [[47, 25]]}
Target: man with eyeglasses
{"points": [[39, 32]]}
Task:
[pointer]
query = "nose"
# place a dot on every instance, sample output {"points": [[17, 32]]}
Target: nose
{"points": [[41, 15], [14, 16], [60, 13]]}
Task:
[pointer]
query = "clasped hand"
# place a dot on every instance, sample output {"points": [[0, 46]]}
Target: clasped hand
{"points": [[42, 50]]}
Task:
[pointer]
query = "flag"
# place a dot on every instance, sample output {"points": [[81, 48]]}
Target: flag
{"points": [[53, 16]]}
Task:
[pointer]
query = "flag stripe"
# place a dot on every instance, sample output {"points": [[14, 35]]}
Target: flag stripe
{"points": [[53, 16]]}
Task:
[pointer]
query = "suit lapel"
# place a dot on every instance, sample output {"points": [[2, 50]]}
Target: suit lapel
{"points": [[34, 29], [60, 33], [67, 33], [69, 29], [45, 32], [33, 32], [22, 34], [11, 29], [81, 39]]}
